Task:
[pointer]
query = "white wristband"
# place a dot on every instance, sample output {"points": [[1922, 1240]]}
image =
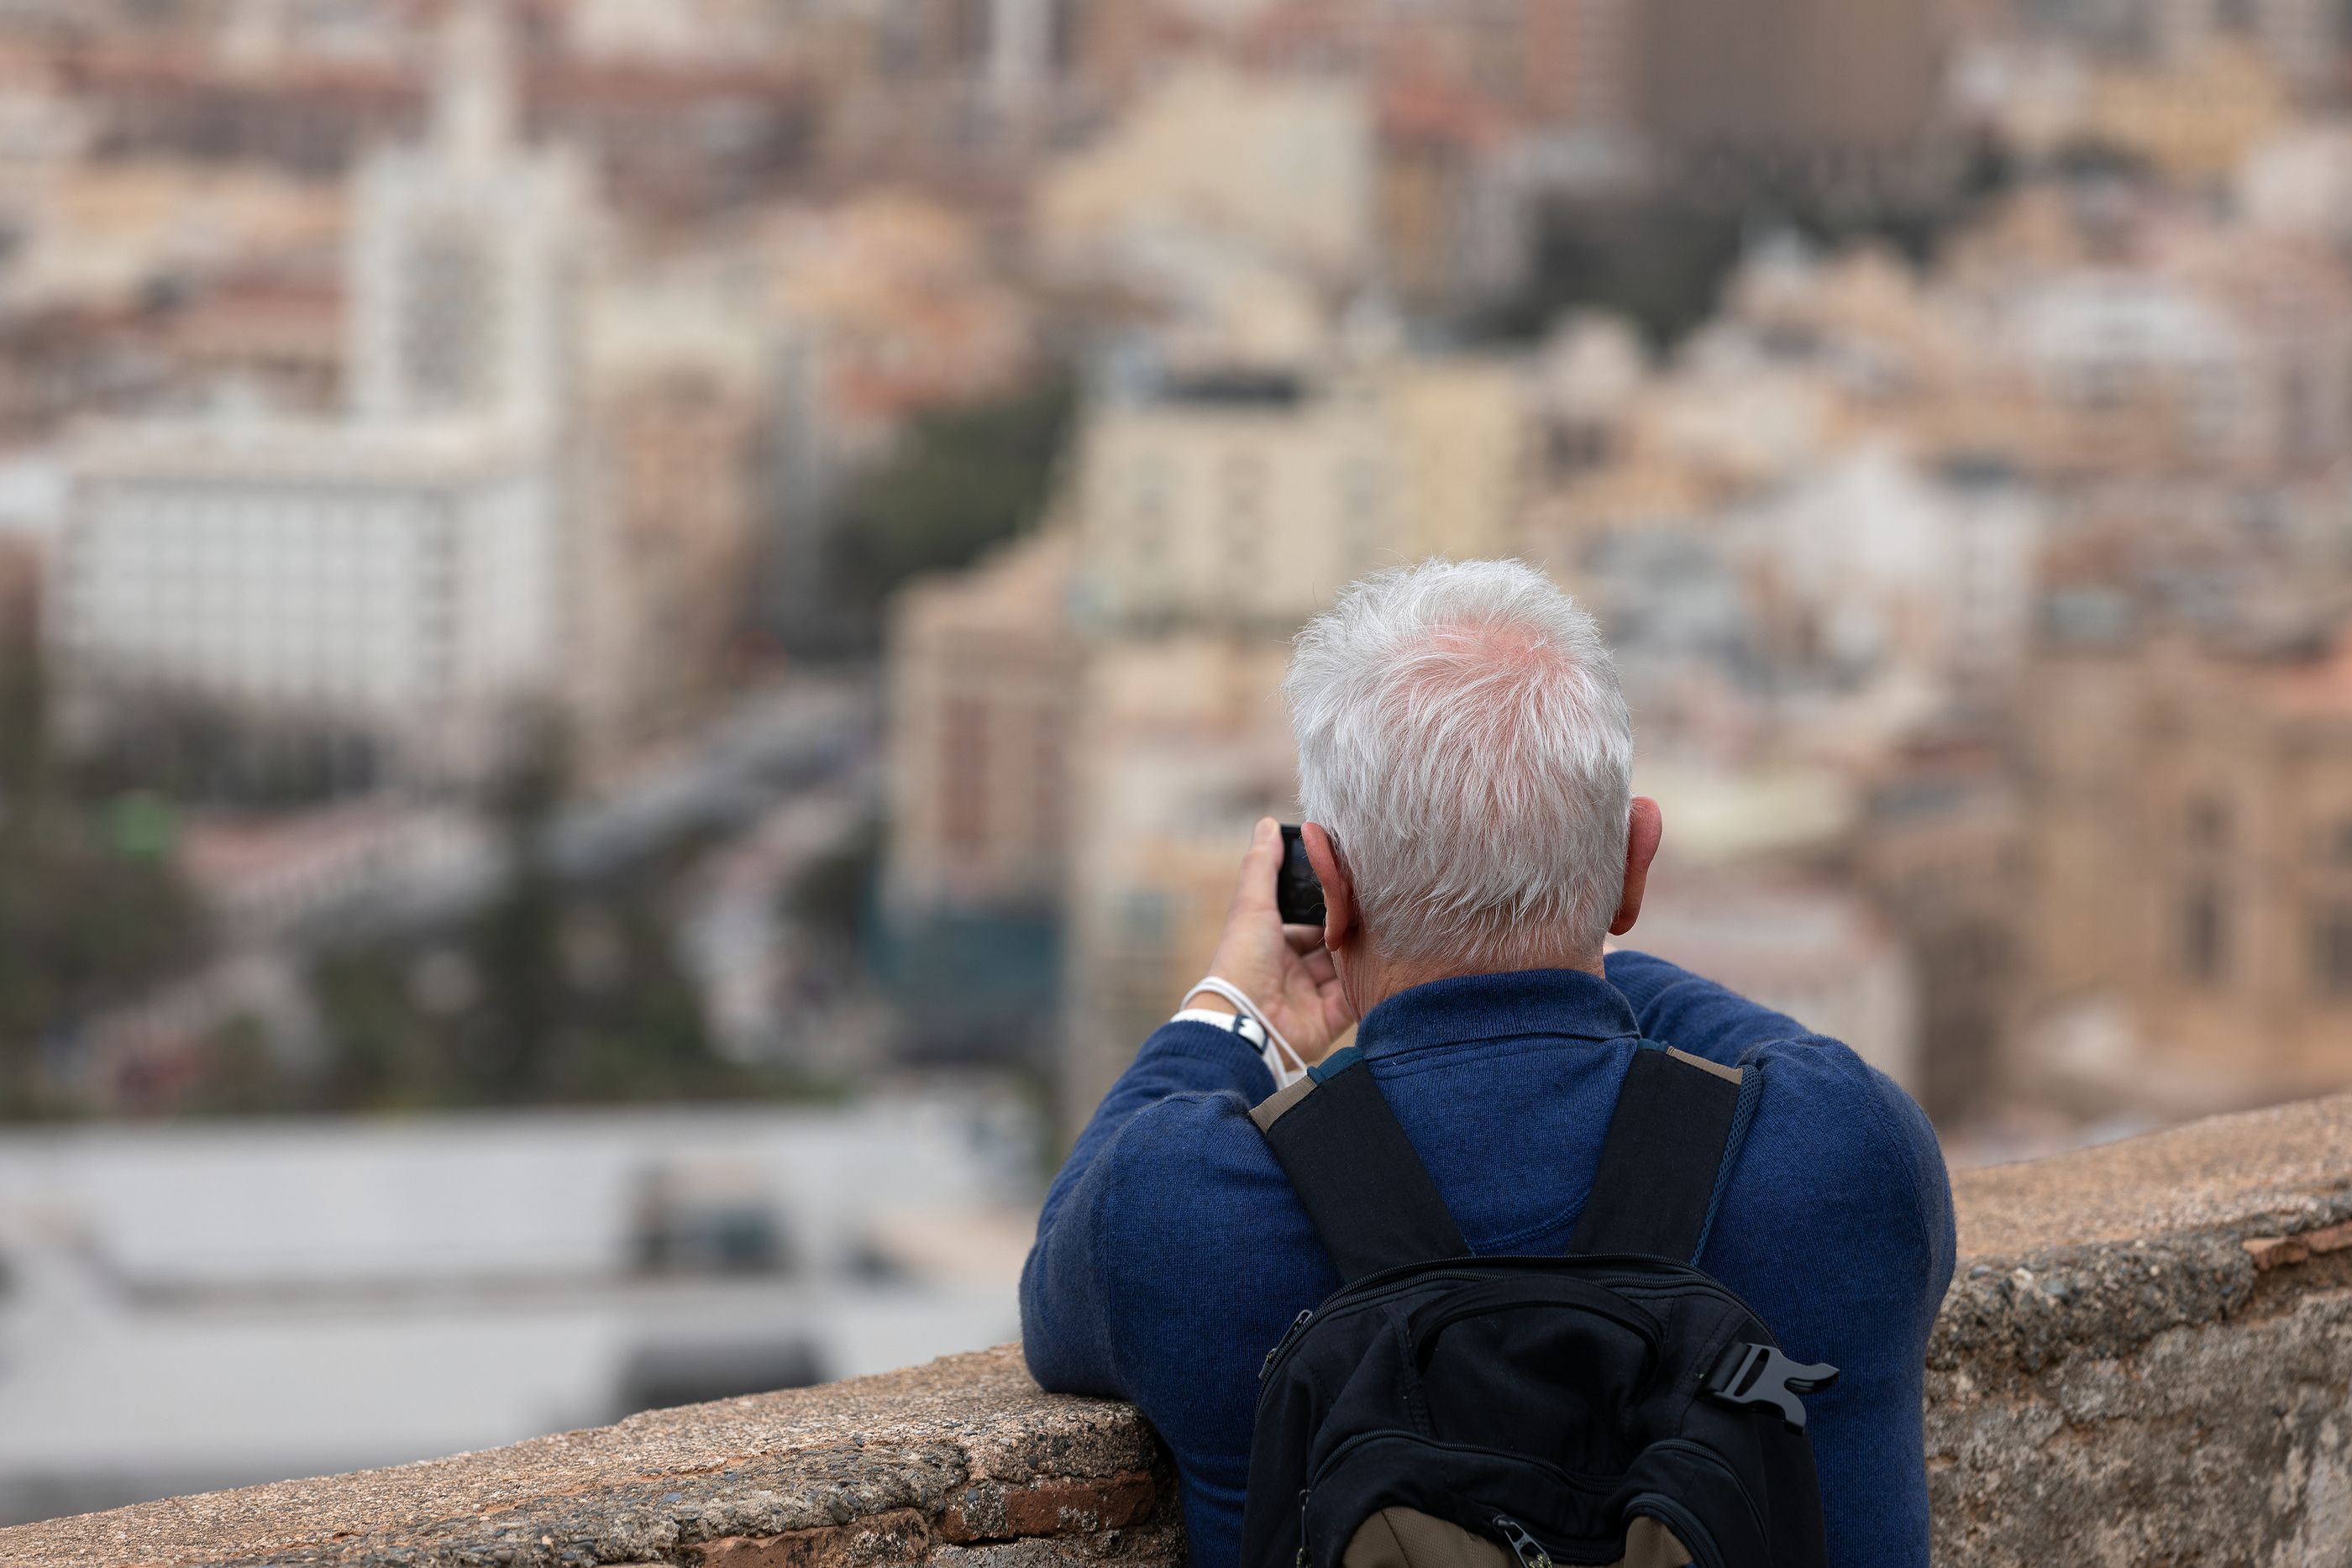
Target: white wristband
{"points": [[1282, 1059], [1242, 1024]]}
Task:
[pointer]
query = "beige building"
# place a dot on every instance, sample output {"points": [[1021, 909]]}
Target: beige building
{"points": [[2189, 831], [676, 454], [675, 400], [1279, 166], [984, 682], [1249, 502], [2194, 119], [1940, 852]]}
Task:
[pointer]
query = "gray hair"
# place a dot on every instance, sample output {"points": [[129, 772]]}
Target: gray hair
{"points": [[1462, 740]]}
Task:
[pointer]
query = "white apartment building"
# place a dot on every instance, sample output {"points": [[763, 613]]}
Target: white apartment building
{"points": [[403, 581], [404, 570]]}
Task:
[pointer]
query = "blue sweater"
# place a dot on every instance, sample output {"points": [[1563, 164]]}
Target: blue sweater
{"points": [[1171, 1254]]}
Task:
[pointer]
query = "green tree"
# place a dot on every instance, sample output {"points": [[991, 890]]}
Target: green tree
{"points": [[957, 482]]}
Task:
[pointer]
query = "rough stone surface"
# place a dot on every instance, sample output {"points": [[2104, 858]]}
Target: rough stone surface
{"points": [[851, 1474], [2146, 1358]]}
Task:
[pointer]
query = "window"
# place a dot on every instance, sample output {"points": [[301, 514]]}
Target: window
{"points": [[2205, 933], [1047, 759], [1149, 506], [963, 794], [447, 319]]}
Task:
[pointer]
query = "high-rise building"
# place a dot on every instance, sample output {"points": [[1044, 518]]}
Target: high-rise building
{"points": [[406, 571]]}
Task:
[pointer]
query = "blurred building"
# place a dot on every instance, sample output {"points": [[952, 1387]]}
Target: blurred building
{"points": [[2136, 370], [1452, 197], [2189, 811], [901, 307], [875, 310], [403, 584], [2299, 38], [1833, 102], [682, 133], [1212, 517], [2195, 116], [671, 501], [269, 338], [1186, 744], [404, 572], [984, 687], [1278, 168], [1248, 499], [1815, 952], [2299, 182], [1940, 853], [1873, 564]]}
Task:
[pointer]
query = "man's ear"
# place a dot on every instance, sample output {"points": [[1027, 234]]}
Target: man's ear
{"points": [[1643, 829], [1338, 893]]}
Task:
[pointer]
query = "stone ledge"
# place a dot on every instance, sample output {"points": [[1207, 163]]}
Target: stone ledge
{"points": [[961, 1462], [2146, 1356]]}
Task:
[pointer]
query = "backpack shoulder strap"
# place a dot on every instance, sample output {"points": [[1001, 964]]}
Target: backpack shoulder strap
{"points": [[1367, 1194], [1677, 1130]]}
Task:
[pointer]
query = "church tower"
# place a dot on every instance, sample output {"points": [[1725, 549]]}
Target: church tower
{"points": [[464, 252]]}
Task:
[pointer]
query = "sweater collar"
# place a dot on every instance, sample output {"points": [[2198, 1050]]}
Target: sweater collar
{"points": [[1561, 1002]]}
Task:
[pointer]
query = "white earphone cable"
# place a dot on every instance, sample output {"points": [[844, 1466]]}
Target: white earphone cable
{"points": [[1282, 1057]]}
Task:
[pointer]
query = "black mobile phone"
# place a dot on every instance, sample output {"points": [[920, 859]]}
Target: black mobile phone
{"points": [[1297, 891]]}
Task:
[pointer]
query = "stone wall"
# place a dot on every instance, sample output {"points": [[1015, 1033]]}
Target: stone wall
{"points": [[2147, 1358]]}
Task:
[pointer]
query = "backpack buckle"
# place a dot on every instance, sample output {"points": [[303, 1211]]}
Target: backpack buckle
{"points": [[1760, 1374]]}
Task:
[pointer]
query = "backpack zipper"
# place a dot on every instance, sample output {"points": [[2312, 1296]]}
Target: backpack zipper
{"points": [[1297, 1326], [1530, 1551], [1303, 1496]]}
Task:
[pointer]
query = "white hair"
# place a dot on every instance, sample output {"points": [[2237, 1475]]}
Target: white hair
{"points": [[1462, 740]]}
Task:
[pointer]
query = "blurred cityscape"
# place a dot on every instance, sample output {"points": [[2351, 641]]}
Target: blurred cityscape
{"points": [[637, 637]]}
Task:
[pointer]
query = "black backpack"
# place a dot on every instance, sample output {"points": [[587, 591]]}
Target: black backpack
{"points": [[1612, 1405]]}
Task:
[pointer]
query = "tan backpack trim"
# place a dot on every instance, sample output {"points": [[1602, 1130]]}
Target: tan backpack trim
{"points": [[1408, 1538]]}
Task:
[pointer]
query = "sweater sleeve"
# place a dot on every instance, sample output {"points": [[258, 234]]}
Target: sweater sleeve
{"points": [[1068, 1309]]}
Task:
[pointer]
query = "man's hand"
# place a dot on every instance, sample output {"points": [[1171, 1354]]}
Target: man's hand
{"points": [[1282, 968]]}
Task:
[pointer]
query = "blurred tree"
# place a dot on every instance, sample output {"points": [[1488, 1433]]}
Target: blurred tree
{"points": [[958, 481], [516, 942], [834, 895], [552, 994], [88, 913]]}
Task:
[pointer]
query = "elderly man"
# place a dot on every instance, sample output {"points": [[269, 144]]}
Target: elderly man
{"points": [[1465, 771]]}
